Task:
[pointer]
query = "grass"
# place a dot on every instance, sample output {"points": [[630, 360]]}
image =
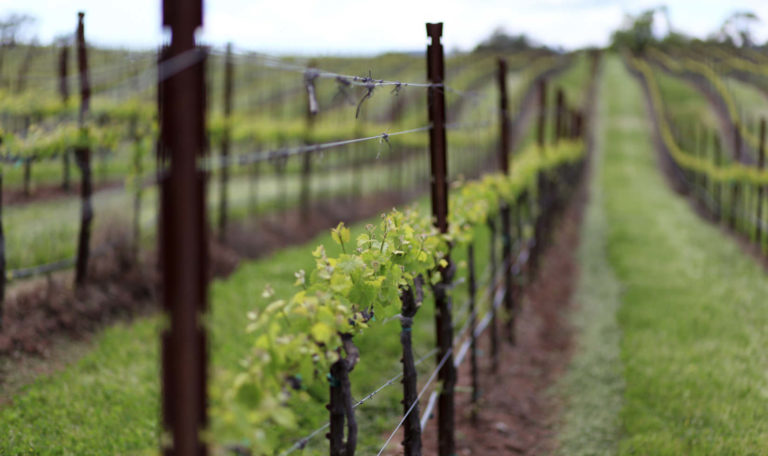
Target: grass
{"points": [[108, 401], [684, 102], [594, 384], [47, 231], [692, 314]]}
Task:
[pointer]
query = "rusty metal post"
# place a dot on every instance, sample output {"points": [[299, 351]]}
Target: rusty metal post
{"points": [[64, 93], [506, 137], [580, 130], [138, 171], [253, 187], [760, 188], [63, 70], [506, 245], [306, 164], [183, 233], [2, 254], [541, 180], [542, 115], [506, 238], [472, 288], [27, 176], [559, 114], [494, 323], [735, 187], [718, 186], [82, 67], [504, 152], [225, 144], [439, 191], [83, 159]]}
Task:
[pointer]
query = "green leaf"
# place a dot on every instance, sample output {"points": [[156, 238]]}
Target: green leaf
{"points": [[321, 332]]}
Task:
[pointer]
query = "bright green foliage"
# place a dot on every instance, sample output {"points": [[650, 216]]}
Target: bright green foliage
{"points": [[472, 203], [39, 143], [300, 337], [705, 71]]}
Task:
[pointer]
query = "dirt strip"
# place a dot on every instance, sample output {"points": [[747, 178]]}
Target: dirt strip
{"points": [[516, 413], [15, 196]]}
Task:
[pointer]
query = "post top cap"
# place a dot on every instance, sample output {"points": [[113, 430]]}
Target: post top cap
{"points": [[435, 29]]}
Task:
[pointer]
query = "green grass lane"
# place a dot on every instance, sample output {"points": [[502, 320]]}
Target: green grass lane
{"points": [[693, 318], [751, 102], [594, 383], [683, 101]]}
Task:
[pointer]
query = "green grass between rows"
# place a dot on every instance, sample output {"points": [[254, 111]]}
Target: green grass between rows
{"points": [[693, 315], [594, 383]]}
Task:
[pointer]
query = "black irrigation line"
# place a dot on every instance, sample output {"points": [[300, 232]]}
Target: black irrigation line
{"points": [[43, 269], [48, 268]]}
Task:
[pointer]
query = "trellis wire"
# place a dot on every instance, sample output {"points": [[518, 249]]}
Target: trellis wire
{"points": [[418, 398], [497, 299], [301, 443], [217, 163], [362, 81]]}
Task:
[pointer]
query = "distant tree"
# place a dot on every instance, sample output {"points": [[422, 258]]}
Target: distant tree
{"points": [[636, 34], [500, 41], [736, 29], [675, 40], [12, 27]]}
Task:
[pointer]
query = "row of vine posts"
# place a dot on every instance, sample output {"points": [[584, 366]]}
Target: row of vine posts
{"points": [[184, 251], [83, 161], [739, 206]]}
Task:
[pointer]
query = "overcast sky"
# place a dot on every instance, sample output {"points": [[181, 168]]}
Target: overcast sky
{"points": [[357, 27]]}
